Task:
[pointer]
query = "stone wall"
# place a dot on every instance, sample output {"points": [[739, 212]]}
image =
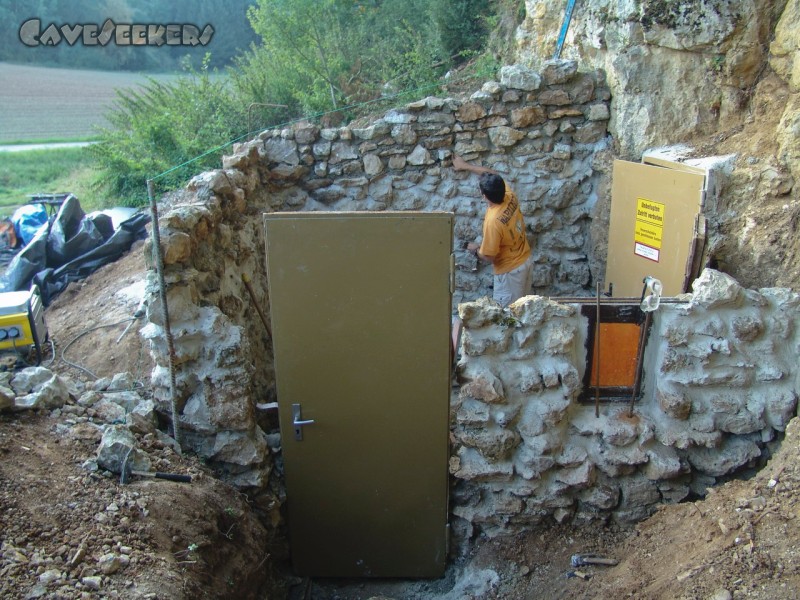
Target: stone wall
{"points": [[525, 449], [719, 381], [541, 130]]}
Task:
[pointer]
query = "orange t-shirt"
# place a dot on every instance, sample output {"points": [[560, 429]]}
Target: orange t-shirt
{"points": [[504, 235]]}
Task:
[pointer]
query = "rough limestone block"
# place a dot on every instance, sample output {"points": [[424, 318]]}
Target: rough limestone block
{"points": [[615, 461], [489, 340], [676, 332], [495, 444], [108, 412], [541, 414], [705, 348], [480, 313], [505, 415], [550, 376], [731, 454], [747, 327], [115, 445], [663, 463], [30, 379], [472, 412], [53, 393], [527, 116], [505, 504], [769, 371], [727, 402], [672, 399], [482, 384], [602, 496], [576, 478], [572, 455], [714, 289], [780, 407], [615, 427], [520, 78], [783, 299], [638, 491], [505, 136], [535, 311], [143, 419], [241, 447], [559, 337], [741, 423], [469, 464], [530, 380], [673, 492], [736, 376], [257, 478], [530, 464], [683, 436]]}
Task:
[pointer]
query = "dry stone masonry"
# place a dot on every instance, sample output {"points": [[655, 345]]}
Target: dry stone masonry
{"points": [[541, 130], [719, 381]]}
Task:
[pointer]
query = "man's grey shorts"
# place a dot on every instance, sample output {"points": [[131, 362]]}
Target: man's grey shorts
{"points": [[515, 284]]}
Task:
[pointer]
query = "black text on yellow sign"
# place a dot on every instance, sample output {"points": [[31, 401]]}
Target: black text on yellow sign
{"points": [[649, 229]]}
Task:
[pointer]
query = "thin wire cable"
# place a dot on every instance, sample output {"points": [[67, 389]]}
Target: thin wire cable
{"points": [[80, 335]]}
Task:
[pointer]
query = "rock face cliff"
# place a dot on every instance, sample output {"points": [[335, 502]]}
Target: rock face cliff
{"points": [[718, 76]]}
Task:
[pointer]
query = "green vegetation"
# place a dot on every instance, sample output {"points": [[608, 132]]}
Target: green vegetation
{"points": [[161, 127], [46, 171], [319, 59]]}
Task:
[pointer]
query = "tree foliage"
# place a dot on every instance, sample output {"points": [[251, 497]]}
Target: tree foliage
{"points": [[338, 52]]}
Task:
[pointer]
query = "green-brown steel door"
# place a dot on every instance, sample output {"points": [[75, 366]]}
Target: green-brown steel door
{"points": [[360, 308]]}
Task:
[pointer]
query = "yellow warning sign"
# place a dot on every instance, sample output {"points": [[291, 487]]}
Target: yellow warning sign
{"points": [[648, 234], [650, 212], [649, 229]]}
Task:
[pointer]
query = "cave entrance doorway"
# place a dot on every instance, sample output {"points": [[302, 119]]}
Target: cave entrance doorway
{"points": [[361, 313]]}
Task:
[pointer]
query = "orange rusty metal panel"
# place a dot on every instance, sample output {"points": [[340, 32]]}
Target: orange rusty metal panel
{"points": [[619, 348]]}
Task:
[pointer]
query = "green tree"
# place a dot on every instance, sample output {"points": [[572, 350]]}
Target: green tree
{"points": [[462, 25], [313, 38]]}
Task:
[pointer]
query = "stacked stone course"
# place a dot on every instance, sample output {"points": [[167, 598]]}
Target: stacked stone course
{"points": [[719, 382]]}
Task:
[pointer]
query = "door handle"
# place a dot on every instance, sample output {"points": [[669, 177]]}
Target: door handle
{"points": [[298, 422]]}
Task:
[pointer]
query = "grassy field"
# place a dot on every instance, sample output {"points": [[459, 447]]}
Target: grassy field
{"points": [[47, 171], [46, 104]]}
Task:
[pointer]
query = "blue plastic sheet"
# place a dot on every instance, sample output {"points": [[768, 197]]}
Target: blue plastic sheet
{"points": [[28, 220]]}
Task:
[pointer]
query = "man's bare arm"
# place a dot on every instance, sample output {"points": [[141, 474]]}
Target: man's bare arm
{"points": [[459, 164]]}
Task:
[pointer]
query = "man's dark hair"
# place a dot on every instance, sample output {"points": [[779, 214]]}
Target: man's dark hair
{"points": [[493, 187]]}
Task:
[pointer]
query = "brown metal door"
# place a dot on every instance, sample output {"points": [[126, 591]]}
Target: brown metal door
{"points": [[360, 307]]}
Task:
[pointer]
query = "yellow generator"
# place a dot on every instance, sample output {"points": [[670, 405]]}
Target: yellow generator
{"points": [[22, 323]]}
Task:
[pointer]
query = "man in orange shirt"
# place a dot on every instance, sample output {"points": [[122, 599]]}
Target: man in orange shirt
{"points": [[504, 244]]}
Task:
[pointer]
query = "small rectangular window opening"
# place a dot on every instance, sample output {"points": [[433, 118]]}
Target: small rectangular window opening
{"points": [[614, 352]]}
